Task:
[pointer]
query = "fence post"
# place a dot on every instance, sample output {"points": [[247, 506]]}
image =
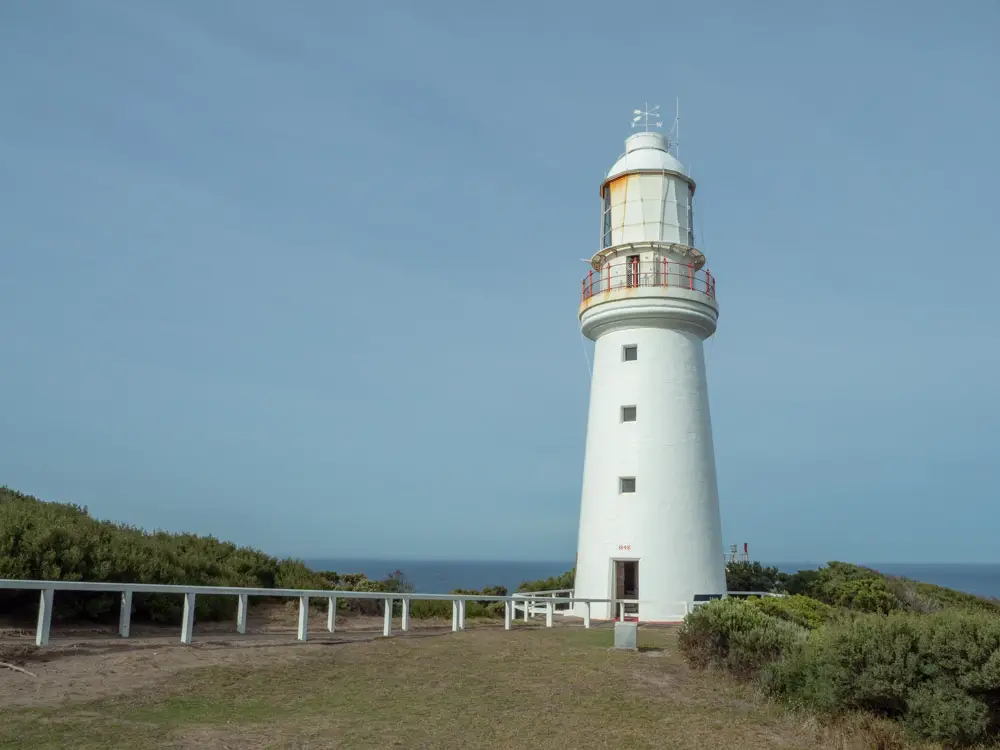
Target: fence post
{"points": [[548, 613], [125, 614], [527, 608], [405, 625], [586, 615], [44, 617], [454, 615], [508, 614], [461, 614], [241, 615], [303, 632], [187, 624], [387, 618], [331, 614]]}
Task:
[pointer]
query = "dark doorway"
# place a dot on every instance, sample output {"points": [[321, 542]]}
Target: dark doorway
{"points": [[627, 586]]}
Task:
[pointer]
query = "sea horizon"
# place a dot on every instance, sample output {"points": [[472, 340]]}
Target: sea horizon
{"points": [[441, 576]]}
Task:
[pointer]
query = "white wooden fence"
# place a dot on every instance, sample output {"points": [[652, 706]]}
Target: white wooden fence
{"points": [[527, 602], [526, 605], [47, 589]]}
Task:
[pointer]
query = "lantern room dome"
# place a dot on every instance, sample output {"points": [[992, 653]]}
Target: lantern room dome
{"points": [[646, 151]]}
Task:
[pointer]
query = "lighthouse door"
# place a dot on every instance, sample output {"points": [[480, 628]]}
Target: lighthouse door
{"points": [[627, 587], [632, 271]]}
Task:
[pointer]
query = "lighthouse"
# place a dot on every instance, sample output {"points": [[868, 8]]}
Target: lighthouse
{"points": [[650, 535]]}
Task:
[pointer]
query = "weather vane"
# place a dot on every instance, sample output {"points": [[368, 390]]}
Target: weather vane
{"points": [[646, 114]]}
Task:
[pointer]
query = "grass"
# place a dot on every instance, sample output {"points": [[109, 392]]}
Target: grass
{"points": [[483, 688]]}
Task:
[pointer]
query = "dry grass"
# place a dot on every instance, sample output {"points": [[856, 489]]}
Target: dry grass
{"points": [[483, 688]]}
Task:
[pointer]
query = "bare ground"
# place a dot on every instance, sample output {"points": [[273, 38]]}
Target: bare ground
{"points": [[91, 662], [483, 688]]}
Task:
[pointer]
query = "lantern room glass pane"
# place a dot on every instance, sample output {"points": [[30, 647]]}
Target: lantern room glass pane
{"points": [[691, 219], [606, 240]]}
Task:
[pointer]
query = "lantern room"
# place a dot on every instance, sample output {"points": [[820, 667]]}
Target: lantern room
{"points": [[647, 196]]}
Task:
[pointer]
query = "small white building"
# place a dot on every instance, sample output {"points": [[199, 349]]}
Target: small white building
{"points": [[650, 529]]}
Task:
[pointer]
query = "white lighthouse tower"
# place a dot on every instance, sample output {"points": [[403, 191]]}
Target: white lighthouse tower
{"points": [[650, 529]]}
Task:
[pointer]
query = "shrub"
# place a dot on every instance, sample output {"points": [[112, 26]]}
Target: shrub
{"points": [[61, 542], [801, 610], [800, 583], [425, 609], [916, 596], [862, 595], [938, 673], [751, 576], [862, 589], [564, 581], [736, 635], [394, 583], [484, 608], [51, 541], [844, 585]]}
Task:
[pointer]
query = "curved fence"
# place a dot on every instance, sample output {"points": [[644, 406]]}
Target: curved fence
{"points": [[530, 601], [635, 273]]}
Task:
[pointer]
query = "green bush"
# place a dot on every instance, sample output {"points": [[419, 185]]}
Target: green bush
{"points": [[800, 583], [801, 610], [937, 673], [916, 596], [484, 608], [863, 595], [736, 635], [844, 585], [57, 542], [426, 609], [556, 583], [862, 589], [751, 576]]}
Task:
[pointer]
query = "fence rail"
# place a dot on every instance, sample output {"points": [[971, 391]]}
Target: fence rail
{"points": [[561, 601], [47, 591], [628, 274], [529, 602]]}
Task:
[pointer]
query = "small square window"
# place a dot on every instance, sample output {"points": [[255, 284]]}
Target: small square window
{"points": [[626, 485], [630, 353], [628, 414]]}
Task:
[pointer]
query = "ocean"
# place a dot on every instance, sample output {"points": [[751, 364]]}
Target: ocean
{"points": [[440, 577]]}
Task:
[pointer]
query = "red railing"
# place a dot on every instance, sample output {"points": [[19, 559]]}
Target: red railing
{"points": [[628, 274]]}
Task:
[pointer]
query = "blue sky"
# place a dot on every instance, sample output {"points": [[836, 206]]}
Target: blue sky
{"points": [[305, 275]]}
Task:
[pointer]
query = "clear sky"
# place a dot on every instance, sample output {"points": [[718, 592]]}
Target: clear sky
{"points": [[304, 275]]}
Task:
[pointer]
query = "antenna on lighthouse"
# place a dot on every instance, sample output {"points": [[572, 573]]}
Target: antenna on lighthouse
{"points": [[643, 115], [674, 134]]}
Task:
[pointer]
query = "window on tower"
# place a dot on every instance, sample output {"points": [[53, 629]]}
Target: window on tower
{"points": [[630, 353], [628, 414], [606, 223], [626, 485]]}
